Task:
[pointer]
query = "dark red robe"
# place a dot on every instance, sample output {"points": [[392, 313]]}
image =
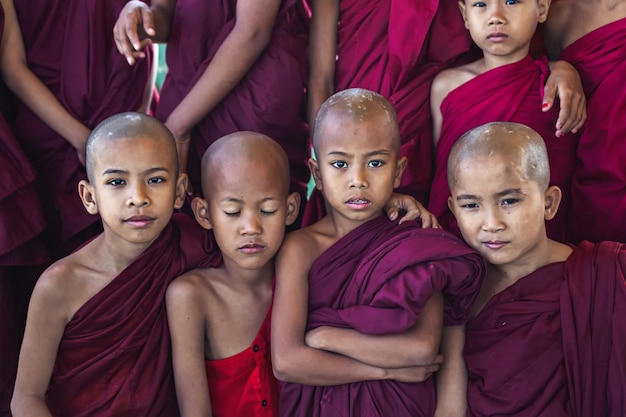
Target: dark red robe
{"points": [[553, 343], [598, 210], [396, 48], [114, 357], [70, 47], [511, 93], [270, 99], [376, 280]]}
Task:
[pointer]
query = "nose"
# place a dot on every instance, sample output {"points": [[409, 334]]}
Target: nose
{"points": [[250, 224], [496, 15], [493, 220], [359, 177], [138, 196]]}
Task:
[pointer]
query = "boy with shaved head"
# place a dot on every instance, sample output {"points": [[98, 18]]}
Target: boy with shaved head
{"points": [[358, 309], [96, 340], [219, 317], [547, 333]]}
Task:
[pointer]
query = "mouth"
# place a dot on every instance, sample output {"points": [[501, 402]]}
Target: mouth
{"points": [[358, 203], [251, 248], [497, 36], [495, 244], [139, 221]]}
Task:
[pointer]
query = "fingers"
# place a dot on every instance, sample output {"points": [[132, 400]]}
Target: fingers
{"points": [[125, 31]]}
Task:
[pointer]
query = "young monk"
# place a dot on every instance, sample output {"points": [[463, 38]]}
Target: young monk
{"points": [[506, 84], [590, 35], [220, 317], [358, 309], [358, 43], [232, 65], [68, 47], [547, 335], [96, 340]]}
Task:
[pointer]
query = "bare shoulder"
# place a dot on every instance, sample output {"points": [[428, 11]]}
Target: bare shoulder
{"points": [[192, 286], [452, 78]]}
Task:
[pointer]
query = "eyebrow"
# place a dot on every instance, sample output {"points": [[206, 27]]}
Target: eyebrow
{"points": [[500, 194], [125, 172], [372, 153], [237, 200]]}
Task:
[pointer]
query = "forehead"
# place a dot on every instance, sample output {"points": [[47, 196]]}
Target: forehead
{"points": [[345, 131], [134, 153], [242, 177], [483, 174]]}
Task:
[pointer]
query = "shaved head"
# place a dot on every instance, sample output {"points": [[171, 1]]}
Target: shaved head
{"points": [[127, 126], [521, 144], [359, 105], [253, 149]]}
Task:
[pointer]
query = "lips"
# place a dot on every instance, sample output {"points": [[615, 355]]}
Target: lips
{"points": [[139, 221], [497, 36], [252, 248], [495, 244], [358, 203]]}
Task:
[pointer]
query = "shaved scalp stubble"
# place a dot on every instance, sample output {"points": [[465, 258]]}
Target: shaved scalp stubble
{"points": [[518, 142]]}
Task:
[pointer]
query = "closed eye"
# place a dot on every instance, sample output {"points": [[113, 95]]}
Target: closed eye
{"points": [[269, 212], [232, 213]]}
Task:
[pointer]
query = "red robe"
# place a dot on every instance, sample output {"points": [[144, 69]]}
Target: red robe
{"points": [[553, 343], [599, 184], [70, 47], [396, 48], [269, 99], [376, 280], [512, 93], [244, 385], [114, 357]]}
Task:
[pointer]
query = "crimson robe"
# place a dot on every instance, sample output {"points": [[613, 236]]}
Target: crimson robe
{"points": [[396, 48], [270, 98], [70, 47], [598, 210], [553, 343], [376, 280], [510, 93], [115, 357]]}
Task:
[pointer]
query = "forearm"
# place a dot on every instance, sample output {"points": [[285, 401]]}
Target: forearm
{"points": [[452, 376], [232, 61]]}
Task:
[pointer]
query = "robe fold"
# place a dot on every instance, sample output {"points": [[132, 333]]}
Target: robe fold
{"points": [[373, 53], [115, 357], [376, 280], [553, 343], [270, 98], [70, 47], [510, 93], [598, 209]]}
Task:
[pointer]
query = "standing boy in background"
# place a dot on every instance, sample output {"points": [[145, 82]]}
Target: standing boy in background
{"points": [[547, 335], [96, 341], [219, 317], [506, 84], [358, 309], [591, 36]]}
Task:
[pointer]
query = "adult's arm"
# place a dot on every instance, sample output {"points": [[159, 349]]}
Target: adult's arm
{"points": [[322, 55], [31, 90]]}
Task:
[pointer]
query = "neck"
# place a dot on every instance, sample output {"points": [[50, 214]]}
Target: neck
{"points": [[114, 257], [490, 62], [341, 226], [248, 278]]}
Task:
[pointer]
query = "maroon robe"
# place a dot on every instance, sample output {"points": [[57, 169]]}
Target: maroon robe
{"points": [[270, 98], [396, 48], [114, 357], [376, 280], [70, 47], [511, 93], [598, 210], [553, 343]]}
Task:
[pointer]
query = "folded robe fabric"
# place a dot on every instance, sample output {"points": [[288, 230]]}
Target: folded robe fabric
{"points": [[70, 47], [373, 53], [376, 280], [269, 99], [510, 93], [598, 210], [553, 343], [115, 357]]}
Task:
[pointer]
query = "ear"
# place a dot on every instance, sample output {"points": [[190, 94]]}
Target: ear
{"points": [[463, 11], [200, 209], [451, 205], [87, 196], [552, 197], [544, 6], [181, 190], [400, 167], [314, 167], [293, 208]]}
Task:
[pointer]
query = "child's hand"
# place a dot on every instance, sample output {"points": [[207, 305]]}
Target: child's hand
{"points": [[565, 83], [415, 373], [413, 209], [135, 20]]}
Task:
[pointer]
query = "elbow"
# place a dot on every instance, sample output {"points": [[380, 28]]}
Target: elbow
{"points": [[424, 353], [285, 366]]}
